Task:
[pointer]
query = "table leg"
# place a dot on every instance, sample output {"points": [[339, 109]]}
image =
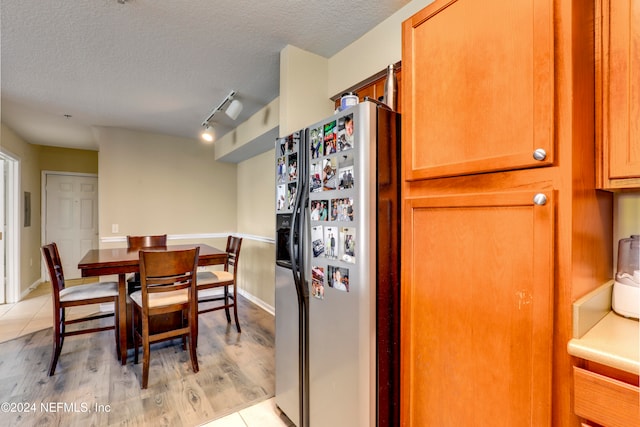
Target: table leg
{"points": [[122, 313]]}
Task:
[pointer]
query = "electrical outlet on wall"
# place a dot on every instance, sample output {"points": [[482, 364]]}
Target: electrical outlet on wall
{"points": [[114, 228]]}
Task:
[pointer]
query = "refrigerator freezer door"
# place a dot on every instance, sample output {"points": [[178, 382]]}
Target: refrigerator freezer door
{"points": [[290, 304]]}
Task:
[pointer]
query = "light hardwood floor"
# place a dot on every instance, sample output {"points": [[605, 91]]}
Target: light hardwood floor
{"points": [[234, 387]]}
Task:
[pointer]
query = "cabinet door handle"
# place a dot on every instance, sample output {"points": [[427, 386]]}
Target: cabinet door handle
{"points": [[540, 199], [540, 154]]}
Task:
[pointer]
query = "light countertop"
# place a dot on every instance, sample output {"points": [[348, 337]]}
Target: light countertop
{"points": [[600, 335], [614, 341]]}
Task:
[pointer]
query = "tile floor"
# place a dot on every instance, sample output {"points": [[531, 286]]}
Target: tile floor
{"points": [[34, 313]]}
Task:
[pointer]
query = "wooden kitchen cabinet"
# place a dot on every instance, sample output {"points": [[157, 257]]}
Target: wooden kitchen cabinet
{"points": [[488, 277], [478, 87], [478, 314], [618, 95]]}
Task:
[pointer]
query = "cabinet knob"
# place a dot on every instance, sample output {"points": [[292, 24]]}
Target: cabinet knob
{"points": [[540, 154], [540, 199]]}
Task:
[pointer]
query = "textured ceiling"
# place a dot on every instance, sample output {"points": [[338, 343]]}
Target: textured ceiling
{"points": [[156, 65]]}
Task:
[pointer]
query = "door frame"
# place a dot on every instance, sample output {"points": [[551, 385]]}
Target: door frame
{"points": [[11, 237], [43, 204]]}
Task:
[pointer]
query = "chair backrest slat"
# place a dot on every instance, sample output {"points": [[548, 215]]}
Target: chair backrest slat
{"points": [[139, 242]]}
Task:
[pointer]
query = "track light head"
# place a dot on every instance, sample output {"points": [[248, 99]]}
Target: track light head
{"points": [[234, 109], [208, 134]]}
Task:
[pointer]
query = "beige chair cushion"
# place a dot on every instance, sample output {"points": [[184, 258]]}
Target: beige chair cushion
{"points": [[92, 290], [209, 277], [162, 298]]}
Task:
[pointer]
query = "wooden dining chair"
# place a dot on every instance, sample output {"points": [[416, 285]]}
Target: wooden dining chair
{"points": [[140, 242], [168, 285], [64, 297], [222, 280]]}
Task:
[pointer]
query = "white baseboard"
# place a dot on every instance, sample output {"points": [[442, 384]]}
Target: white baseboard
{"points": [[29, 290], [257, 301]]}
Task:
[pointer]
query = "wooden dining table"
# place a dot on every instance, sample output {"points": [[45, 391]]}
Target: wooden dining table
{"points": [[122, 261]]}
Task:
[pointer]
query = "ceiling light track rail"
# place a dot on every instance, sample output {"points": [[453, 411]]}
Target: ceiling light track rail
{"points": [[229, 98]]}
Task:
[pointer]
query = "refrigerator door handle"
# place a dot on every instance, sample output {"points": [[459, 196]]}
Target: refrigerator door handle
{"points": [[297, 228], [294, 249]]}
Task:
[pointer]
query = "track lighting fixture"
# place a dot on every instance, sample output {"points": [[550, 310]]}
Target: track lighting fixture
{"points": [[235, 107], [233, 111]]}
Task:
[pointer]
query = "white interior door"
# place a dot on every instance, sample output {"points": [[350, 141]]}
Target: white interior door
{"points": [[72, 217], [3, 261]]}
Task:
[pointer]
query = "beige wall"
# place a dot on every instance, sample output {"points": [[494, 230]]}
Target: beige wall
{"points": [[303, 89], [256, 220], [154, 184]]}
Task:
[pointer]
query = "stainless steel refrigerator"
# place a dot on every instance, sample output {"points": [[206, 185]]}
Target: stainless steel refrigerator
{"points": [[337, 294]]}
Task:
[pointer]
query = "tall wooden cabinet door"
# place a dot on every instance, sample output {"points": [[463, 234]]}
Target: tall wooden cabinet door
{"points": [[477, 87], [620, 45], [477, 289]]}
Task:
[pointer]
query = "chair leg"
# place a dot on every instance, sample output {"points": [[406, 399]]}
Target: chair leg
{"points": [[184, 337], [235, 314], [197, 326], [117, 327], [226, 303], [63, 323], [185, 321], [146, 353], [57, 340], [193, 333], [134, 335]]}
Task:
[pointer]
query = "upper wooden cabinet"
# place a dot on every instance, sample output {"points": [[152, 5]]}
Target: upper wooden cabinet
{"points": [[479, 83], [618, 93]]}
